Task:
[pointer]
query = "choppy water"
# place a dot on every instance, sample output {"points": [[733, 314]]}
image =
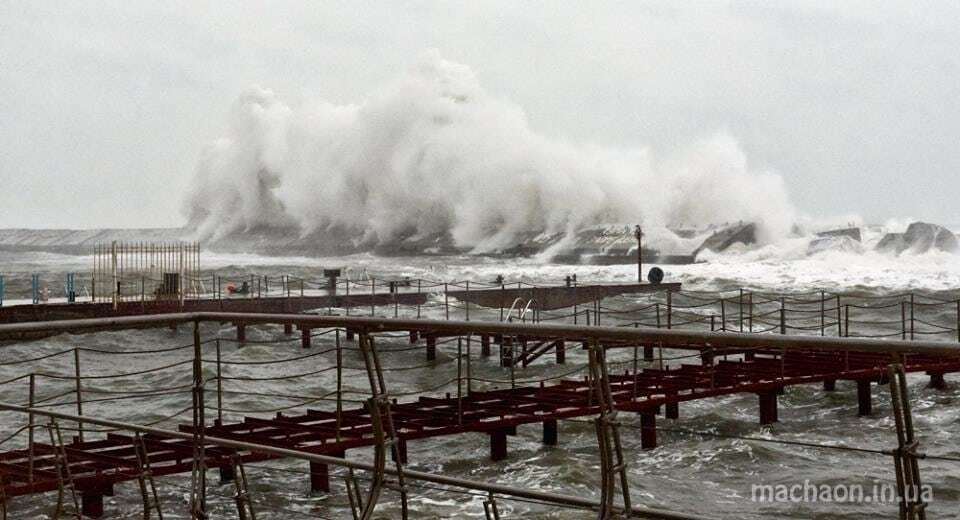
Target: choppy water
{"points": [[688, 473]]}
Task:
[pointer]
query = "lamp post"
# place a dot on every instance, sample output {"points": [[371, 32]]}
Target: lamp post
{"points": [[637, 232]]}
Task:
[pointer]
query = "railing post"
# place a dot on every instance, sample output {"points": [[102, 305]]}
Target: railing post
{"points": [[846, 320], [958, 320], [198, 495], [469, 371], [219, 385], [466, 300], [783, 316], [750, 310], [723, 315], [503, 292], [912, 319], [31, 421], [373, 296], [823, 314], [346, 297], [670, 309], [903, 320], [839, 318], [446, 300], [740, 304], [657, 307], [339, 383], [418, 300], [459, 379], [76, 371]]}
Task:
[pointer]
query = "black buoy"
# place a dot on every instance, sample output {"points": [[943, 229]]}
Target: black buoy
{"points": [[655, 275]]}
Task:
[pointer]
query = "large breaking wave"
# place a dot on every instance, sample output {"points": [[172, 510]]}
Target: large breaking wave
{"points": [[433, 154]]}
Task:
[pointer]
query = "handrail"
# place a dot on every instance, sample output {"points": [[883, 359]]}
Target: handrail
{"points": [[614, 337], [513, 306], [536, 311]]}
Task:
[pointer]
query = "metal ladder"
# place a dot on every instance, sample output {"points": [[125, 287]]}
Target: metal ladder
{"points": [[3, 499], [613, 466], [64, 478], [385, 436], [148, 490], [490, 510], [242, 496], [909, 487]]}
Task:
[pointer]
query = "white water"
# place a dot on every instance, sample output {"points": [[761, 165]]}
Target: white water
{"points": [[433, 154]]}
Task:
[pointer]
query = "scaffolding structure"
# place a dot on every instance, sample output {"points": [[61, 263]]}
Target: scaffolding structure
{"points": [[139, 271]]}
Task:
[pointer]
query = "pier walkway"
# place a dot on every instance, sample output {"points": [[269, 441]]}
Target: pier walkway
{"points": [[710, 365]]}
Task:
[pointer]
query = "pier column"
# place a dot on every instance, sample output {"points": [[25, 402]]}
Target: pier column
{"points": [[673, 408], [320, 474], [484, 345], [241, 332], [864, 401], [305, 337], [431, 348], [648, 429], [506, 352], [349, 334], [399, 450], [768, 407], [414, 336], [227, 474], [91, 504], [829, 385], [550, 432], [936, 381], [288, 328], [498, 445], [647, 353], [706, 358], [561, 347]]}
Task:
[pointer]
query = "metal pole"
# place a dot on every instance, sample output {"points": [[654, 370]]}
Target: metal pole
{"points": [[670, 310], [32, 396], [459, 379], [823, 314], [219, 385], [339, 382], [469, 371], [783, 316], [847, 320], [723, 314], [903, 320], [637, 232], [740, 303], [839, 318], [912, 319], [76, 371], [198, 496]]}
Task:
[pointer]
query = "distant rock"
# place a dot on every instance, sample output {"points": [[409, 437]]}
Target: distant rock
{"points": [[835, 243], [920, 237], [853, 233], [721, 240]]}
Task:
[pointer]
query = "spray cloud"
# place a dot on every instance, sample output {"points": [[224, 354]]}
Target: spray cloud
{"points": [[433, 154]]}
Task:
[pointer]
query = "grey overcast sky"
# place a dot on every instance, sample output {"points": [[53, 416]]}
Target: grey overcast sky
{"points": [[105, 106]]}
